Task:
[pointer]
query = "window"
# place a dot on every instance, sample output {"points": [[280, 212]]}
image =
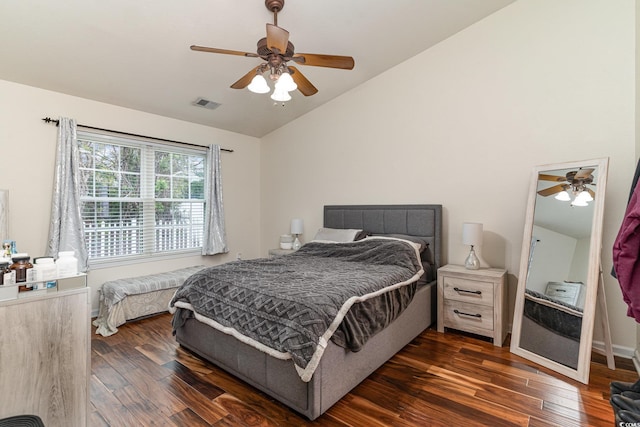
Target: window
{"points": [[139, 198]]}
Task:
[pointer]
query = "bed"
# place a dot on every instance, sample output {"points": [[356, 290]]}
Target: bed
{"points": [[551, 328], [311, 391]]}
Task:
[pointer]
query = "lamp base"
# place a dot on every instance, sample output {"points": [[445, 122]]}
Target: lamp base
{"points": [[296, 244], [472, 262]]}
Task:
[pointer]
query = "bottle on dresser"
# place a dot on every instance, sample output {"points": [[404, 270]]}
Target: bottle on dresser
{"points": [[67, 264]]}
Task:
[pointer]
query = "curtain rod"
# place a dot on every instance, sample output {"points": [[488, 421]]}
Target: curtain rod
{"points": [[50, 120]]}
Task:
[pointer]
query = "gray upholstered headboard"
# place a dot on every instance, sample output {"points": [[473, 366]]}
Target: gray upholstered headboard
{"points": [[416, 220]]}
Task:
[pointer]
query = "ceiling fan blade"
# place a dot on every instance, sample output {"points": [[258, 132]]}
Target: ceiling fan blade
{"points": [[277, 39], [584, 173], [224, 51], [304, 85], [545, 177], [593, 193], [330, 61], [552, 190], [246, 79]]}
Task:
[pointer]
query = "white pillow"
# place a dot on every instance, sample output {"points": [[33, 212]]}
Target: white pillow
{"points": [[336, 235], [415, 245]]}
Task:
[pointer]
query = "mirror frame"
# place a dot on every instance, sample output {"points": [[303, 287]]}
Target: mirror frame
{"points": [[581, 373]]}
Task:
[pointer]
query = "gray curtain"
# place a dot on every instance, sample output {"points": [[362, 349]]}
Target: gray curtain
{"points": [[66, 230], [215, 236]]}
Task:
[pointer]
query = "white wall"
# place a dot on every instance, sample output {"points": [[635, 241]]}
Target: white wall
{"points": [[580, 267], [28, 153], [463, 123], [579, 264], [552, 259]]}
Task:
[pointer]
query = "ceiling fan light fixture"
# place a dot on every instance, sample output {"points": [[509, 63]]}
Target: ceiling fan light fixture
{"points": [[259, 85], [276, 50], [285, 82], [280, 95], [563, 196], [584, 196], [579, 202]]}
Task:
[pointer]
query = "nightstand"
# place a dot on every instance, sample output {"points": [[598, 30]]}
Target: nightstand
{"points": [[473, 301], [279, 252], [568, 292]]}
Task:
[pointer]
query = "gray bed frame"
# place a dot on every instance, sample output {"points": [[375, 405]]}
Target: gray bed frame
{"points": [[340, 370]]}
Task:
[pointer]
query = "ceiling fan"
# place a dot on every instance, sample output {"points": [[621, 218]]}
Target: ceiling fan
{"points": [[575, 181], [276, 50]]}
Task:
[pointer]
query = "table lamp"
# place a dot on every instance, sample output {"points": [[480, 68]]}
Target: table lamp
{"points": [[297, 227]]}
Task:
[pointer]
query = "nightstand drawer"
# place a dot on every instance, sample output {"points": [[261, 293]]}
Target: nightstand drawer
{"points": [[470, 291], [566, 292], [472, 318]]}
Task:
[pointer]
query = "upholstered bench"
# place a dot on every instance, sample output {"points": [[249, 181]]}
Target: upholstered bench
{"points": [[127, 299]]}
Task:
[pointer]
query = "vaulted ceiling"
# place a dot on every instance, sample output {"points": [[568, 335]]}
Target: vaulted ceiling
{"points": [[136, 54]]}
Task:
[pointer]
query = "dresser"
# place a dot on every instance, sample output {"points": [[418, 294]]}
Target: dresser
{"points": [[473, 301], [45, 354]]}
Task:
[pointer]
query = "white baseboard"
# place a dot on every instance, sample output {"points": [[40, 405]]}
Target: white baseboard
{"points": [[620, 351]]}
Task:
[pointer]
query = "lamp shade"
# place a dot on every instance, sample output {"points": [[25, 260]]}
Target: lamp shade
{"points": [[297, 226], [280, 95], [285, 82], [579, 202], [584, 195], [258, 85], [472, 233], [563, 196]]}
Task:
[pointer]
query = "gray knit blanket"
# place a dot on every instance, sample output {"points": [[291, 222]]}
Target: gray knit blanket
{"points": [[290, 306], [114, 291]]}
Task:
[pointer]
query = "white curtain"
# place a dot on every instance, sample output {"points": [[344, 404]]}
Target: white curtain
{"points": [[215, 236], [66, 230]]}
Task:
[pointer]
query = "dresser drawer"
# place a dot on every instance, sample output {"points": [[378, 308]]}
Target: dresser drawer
{"points": [[472, 318], [470, 291]]}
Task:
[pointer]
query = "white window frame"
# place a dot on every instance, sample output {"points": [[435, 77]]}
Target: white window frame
{"points": [[147, 197]]}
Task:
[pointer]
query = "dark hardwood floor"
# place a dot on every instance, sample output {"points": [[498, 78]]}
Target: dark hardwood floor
{"points": [[141, 377]]}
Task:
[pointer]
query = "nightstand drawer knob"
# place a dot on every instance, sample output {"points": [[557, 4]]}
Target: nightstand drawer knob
{"points": [[467, 291], [462, 313]]}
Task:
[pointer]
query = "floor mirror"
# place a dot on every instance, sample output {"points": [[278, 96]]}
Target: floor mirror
{"points": [[560, 267]]}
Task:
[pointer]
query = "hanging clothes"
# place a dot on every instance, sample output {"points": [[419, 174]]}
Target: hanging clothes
{"points": [[636, 176], [626, 252], [634, 183]]}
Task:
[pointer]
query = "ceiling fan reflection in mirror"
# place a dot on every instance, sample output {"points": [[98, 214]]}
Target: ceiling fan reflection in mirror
{"points": [[276, 50], [575, 182]]}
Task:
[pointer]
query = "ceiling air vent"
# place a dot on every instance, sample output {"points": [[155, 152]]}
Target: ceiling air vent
{"points": [[205, 103]]}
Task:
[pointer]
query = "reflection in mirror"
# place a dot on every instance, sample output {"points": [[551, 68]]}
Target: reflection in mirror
{"points": [[559, 268]]}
